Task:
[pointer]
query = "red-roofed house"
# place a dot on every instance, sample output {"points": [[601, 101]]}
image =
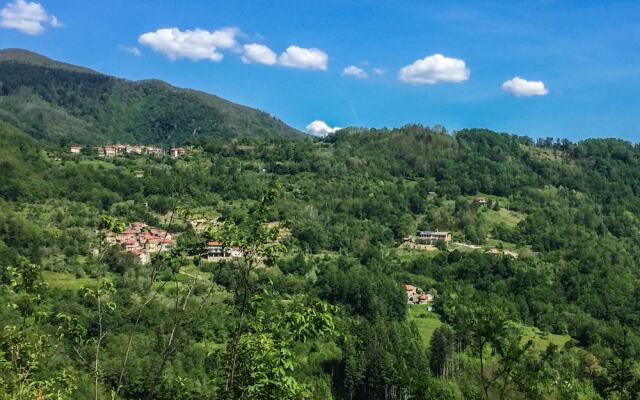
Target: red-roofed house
{"points": [[131, 245], [416, 296]]}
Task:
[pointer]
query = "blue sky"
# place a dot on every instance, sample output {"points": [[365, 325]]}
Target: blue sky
{"points": [[579, 62]]}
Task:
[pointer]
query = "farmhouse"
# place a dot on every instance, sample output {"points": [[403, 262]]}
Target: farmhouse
{"points": [[75, 149], [217, 250], [432, 236], [482, 201]]}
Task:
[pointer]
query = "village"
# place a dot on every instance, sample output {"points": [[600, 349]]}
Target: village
{"points": [[113, 150], [143, 241]]}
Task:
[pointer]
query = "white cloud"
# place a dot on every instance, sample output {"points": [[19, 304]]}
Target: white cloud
{"points": [[29, 18], [320, 128], [195, 44], [434, 69], [354, 71], [521, 87], [133, 50], [300, 57], [258, 53], [55, 22], [378, 71]]}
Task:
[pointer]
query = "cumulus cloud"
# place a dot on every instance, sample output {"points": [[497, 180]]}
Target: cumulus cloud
{"points": [[194, 45], [300, 57], [355, 72], [434, 69], [521, 87], [29, 18], [133, 50], [258, 53], [320, 129], [378, 71]]}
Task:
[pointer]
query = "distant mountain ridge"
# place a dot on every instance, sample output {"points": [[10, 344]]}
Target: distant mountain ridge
{"points": [[29, 57], [65, 103]]}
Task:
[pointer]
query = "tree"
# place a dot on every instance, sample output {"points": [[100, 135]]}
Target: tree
{"points": [[622, 364], [442, 351], [24, 351], [486, 328], [264, 352]]}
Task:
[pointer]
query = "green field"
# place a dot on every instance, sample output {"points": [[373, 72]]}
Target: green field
{"points": [[426, 321], [541, 340], [63, 280], [504, 216]]}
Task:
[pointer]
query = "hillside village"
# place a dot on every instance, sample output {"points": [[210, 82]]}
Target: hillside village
{"points": [[142, 240], [117, 149]]}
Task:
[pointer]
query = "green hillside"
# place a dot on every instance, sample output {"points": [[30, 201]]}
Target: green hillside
{"points": [[69, 104], [319, 301], [535, 297]]}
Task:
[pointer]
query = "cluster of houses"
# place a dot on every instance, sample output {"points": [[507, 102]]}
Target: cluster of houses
{"points": [[416, 296], [113, 150], [431, 237], [217, 250], [142, 240]]}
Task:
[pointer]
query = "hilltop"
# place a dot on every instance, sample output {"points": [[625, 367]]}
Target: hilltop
{"points": [[65, 103]]}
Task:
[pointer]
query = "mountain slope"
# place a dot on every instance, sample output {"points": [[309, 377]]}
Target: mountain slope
{"points": [[29, 57], [64, 103]]}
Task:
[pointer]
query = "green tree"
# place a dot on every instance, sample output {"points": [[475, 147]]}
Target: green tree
{"points": [[442, 351]]}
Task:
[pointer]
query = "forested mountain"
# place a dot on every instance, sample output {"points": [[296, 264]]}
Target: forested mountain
{"points": [[65, 104]]}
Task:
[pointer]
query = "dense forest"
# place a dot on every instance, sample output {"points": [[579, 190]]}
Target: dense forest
{"points": [[535, 297], [316, 308], [69, 104]]}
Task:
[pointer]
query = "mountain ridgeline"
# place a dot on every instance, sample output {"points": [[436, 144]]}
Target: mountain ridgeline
{"points": [[64, 104]]}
